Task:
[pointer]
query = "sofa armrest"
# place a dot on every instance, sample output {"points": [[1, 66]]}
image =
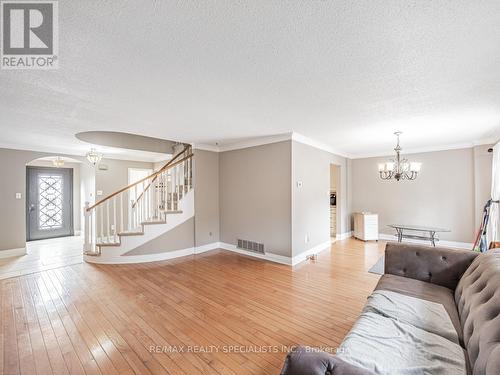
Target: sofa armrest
{"points": [[308, 361], [436, 265]]}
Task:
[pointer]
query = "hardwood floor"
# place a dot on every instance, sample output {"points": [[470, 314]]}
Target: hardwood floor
{"points": [[43, 255], [213, 313]]}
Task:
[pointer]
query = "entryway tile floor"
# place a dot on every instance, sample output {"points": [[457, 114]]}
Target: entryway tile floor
{"points": [[43, 255]]}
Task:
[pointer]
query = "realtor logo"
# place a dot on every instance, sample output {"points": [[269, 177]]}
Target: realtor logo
{"points": [[29, 37]]}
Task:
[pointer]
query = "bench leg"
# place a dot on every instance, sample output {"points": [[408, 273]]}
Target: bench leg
{"points": [[400, 234], [433, 238]]}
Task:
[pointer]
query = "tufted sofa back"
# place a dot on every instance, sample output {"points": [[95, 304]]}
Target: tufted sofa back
{"points": [[478, 301]]}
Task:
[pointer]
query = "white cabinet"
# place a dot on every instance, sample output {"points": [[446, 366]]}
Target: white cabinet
{"points": [[366, 226]]}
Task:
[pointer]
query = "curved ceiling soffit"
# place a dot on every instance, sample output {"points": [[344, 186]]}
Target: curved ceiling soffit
{"points": [[127, 141]]}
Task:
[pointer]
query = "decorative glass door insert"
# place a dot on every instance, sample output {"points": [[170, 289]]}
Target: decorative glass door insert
{"points": [[49, 204]]}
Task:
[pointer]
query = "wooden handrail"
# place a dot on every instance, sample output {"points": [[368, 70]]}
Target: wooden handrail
{"points": [[162, 169], [154, 179]]}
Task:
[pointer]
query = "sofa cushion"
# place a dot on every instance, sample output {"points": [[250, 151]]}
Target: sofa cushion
{"points": [[478, 300], [436, 265], [420, 313], [425, 291], [304, 360], [387, 346]]}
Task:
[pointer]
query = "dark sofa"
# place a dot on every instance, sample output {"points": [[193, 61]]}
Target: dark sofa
{"points": [[466, 284]]}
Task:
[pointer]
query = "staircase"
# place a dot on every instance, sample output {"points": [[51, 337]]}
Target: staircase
{"points": [[128, 217]]}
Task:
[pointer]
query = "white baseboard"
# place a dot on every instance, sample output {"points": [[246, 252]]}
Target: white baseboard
{"points": [[312, 251], [268, 256], [441, 243], [343, 236], [12, 253], [146, 258], [207, 247]]}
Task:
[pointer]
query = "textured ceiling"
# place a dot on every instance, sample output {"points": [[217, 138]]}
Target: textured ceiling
{"points": [[346, 73]]}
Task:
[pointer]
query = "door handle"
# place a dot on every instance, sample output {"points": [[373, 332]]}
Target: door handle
{"points": [[32, 207]]}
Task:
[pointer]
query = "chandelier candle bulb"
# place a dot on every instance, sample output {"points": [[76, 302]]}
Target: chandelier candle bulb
{"points": [[415, 167]]}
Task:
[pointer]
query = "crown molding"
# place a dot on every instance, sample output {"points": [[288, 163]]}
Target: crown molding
{"points": [[292, 136], [252, 142], [297, 137], [420, 150], [205, 147], [257, 142]]}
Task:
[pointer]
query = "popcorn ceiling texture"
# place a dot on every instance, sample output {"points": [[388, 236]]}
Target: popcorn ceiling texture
{"points": [[347, 73]]}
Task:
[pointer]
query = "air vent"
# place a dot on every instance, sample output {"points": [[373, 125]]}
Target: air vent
{"points": [[251, 246]]}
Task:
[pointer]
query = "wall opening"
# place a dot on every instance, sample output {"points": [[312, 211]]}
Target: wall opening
{"points": [[335, 213]]}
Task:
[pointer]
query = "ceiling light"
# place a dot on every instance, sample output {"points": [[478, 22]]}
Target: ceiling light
{"points": [[93, 156], [58, 162], [399, 169]]}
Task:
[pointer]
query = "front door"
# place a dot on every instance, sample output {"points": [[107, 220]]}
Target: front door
{"points": [[49, 202]]}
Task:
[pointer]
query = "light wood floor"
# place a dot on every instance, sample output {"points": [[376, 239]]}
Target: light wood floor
{"points": [[43, 255], [204, 314]]}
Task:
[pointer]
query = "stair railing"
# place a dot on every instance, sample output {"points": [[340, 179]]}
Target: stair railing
{"points": [[147, 200]]}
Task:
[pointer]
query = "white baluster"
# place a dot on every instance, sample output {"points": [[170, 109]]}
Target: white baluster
{"points": [[136, 207], [186, 167], [92, 229], [115, 231], [151, 200], [143, 207], [102, 221], [164, 191], [171, 187], [133, 214], [179, 191], [147, 204], [121, 211], [157, 194], [183, 177], [108, 224], [174, 187]]}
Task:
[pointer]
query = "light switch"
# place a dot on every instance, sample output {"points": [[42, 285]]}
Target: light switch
{"points": [[18, 196]]}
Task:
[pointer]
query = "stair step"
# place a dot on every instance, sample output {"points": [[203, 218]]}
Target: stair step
{"points": [[131, 233], [101, 244], [92, 253], [172, 211], [107, 243], [152, 222]]}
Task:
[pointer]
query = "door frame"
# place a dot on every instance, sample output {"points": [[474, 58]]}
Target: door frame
{"points": [[27, 201]]}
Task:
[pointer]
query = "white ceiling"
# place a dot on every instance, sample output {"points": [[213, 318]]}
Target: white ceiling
{"points": [[345, 73]]}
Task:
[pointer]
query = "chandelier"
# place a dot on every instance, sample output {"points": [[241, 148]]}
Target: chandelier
{"points": [[399, 169], [93, 156], [58, 162]]}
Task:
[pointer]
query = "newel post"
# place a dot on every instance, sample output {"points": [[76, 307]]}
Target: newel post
{"points": [[87, 243]]}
